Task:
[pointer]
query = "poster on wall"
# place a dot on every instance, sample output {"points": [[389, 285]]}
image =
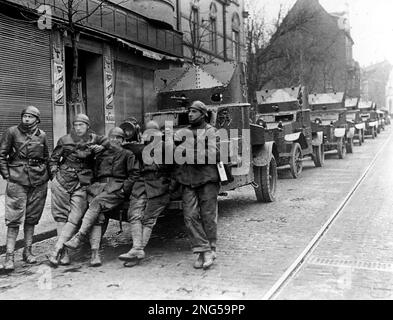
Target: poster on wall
{"points": [[109, 113], [59, 83], [108, 88]]}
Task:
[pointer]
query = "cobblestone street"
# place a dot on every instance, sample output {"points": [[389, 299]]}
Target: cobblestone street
{"points": [[257, 243]]}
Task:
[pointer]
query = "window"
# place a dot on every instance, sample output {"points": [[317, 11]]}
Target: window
{"points": [[194, 25], [213, 28], [236, 37]]}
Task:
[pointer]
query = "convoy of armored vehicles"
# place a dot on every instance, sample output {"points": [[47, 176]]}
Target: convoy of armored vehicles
{"points": [[282, 129], [285, 113]]}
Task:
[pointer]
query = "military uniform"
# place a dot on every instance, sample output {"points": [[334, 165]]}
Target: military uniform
{"points": [[24, 164], [115, 172], [71, 166], [201, 184], [27, 174], [149, 198]]}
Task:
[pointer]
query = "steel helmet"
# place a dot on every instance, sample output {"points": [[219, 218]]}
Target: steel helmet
{"points": [[116, 132], [82, 118], [33, 111], [200, 106]]}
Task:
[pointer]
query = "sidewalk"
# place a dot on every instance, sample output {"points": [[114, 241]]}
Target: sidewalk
{"points": [[44, 230]]}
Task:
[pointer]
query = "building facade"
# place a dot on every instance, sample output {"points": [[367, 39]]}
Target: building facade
{"points": [[375, 83], [213, 30], [119, 46], [389, 94], [314, 48]]}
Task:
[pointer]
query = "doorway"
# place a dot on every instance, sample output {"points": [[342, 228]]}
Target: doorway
{"points": [[91, 103]]}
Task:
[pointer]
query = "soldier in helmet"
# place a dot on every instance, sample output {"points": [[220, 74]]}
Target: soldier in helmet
{"points": [[115, 173], [149, 197], [23, 163], [200, 183], [71, 167]]}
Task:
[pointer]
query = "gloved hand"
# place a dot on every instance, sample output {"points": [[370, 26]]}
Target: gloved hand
{"points": [[96, 148]]}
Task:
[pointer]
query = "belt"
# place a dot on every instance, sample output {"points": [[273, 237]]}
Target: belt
{"points": [[74, 166], [31, 162], [109, 179]]}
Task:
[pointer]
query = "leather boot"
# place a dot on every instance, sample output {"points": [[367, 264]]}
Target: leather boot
{"points": [[136, 251], [95, 260], [95, 240], [12, 234], [208, 257], [65, 259], [27, 255], [76, 241], [198, 264], [9, 262], [66, 233]]}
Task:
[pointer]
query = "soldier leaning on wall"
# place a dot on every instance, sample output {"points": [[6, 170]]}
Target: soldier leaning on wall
{"points": [[116, 171], [24, 164], [71, 167]]}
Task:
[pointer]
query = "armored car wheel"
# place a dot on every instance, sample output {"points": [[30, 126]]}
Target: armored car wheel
{"points": [[319, 155], [363, 138], [378, 130], [360, 142], [349, 146], [373, 133], [295, 161], [266, 179], [341, 149]]}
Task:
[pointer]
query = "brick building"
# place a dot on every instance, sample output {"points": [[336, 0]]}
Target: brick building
{"points": [[314, 48], [375, 83]]}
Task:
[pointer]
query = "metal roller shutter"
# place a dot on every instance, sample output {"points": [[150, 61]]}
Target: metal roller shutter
{"points": [[25, 73]]}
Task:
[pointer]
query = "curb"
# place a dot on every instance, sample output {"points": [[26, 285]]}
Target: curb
{"points": [[37, 238]]}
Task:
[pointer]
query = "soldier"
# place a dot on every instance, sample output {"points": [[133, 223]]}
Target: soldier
{"points": [[24, 164], [201, 185], [71, 166], [115, 173], [149, 198]]}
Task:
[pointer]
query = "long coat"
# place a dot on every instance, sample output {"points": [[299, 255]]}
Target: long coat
{"points": [[24, 156]]}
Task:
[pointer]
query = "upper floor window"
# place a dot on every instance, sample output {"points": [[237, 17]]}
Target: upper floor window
{"points": [[213, 28], [236, 37], [194, 24]]}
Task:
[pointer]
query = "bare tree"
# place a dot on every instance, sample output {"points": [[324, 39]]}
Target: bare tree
{"points": [[73, 15], [76, 14], [197, 37], [300, 51], [258, 32]]}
